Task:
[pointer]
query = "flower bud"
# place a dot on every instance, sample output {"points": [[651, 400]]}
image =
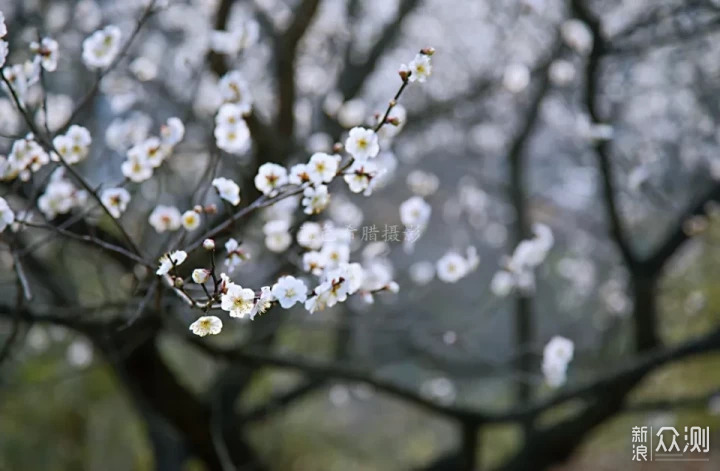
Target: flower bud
{"points": [[209, 244], [211, 209], [200, 275], [393, 287], [337, 147], [178, 282], [393, 120], [404, 73], [428, 51], [198, 209]]}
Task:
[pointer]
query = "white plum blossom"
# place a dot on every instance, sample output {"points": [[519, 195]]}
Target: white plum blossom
{"points": [[420, 68], [270, 177], [238, 301], [3, 26], [136, 169], [168, 261], [191, 220], [172, 132], [327, 294], [335, 254], [60, 196], [200, 275], [353, 273], [299, 174], [310, 236], [228, 190], [15, 74], [46, 52], [235, 255], [27, 155], [206, 325], [359, 176], [165, 218], [315, 199], [322, 167], [151, 151], [288, 291], [314, 262], [362, 143], [415, 212], [263, 303], [7, 216], [234, 89], [231, 131], [115, 200], [557, 354], [101, 47], [277, 235], [74, 145], [451, 267]]}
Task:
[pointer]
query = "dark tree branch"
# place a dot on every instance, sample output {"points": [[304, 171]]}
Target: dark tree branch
{"points": [[354, 75], [285, 56]]}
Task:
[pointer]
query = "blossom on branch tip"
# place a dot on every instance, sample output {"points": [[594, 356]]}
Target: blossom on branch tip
{"points": [[420, 68], [206, 325], [200, 275], [168, 261], [362, 143]]}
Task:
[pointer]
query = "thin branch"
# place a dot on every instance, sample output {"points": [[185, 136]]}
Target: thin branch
{"points": [[93, 90]]}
